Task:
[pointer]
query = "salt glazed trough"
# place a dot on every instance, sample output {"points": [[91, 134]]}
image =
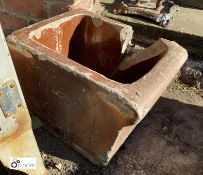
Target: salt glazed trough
{"points": [[75, 77]]}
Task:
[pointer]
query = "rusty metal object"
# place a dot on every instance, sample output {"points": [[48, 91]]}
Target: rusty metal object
{"points": [[160, 12], [16, 136], [65, 65]]}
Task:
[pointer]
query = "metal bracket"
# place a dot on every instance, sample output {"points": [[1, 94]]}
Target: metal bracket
{"points": [[10, 99]]}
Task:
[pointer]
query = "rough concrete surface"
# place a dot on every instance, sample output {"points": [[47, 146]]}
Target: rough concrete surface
{"points": [[192, 77], [191, 3], [185, 20], [192, 73]]}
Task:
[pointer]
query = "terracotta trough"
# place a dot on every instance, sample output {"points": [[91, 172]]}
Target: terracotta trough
{"points": [[72, 76]]}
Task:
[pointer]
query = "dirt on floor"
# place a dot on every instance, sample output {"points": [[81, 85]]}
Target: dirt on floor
{"points": [[169, 141]]}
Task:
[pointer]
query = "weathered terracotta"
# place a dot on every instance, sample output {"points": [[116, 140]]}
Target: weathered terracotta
{"points": [[65, 66]]}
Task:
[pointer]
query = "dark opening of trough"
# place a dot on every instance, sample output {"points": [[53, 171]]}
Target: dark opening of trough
{"points": [[93, 43]]}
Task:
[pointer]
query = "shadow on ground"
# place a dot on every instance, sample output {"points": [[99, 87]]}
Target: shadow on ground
{"points": [[168, 141], [7, 171]]}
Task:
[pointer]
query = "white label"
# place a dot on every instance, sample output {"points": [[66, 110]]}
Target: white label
{"points": [[23, 163]]}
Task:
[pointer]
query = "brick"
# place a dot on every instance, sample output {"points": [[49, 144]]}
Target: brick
{"points": [[58, 8], [11, 23], [84, 4], [70, 4], [34, 8], [1, 5], [64, 6]]}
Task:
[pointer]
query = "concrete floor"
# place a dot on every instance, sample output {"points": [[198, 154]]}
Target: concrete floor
{"points": [[186, 28], [187, 20]]}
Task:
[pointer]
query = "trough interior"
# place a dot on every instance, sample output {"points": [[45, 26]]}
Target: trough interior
{"points": [[91, 42]]}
